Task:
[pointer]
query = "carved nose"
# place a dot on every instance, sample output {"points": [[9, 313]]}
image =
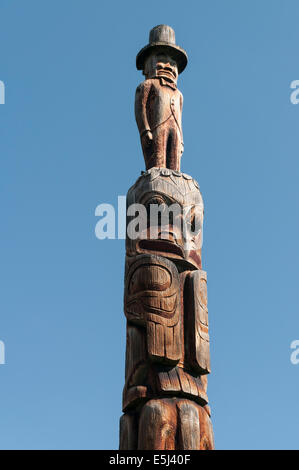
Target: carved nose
{"points": [[166, 67]]}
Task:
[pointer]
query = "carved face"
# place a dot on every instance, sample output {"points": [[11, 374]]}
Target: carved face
{"points": [[172, 226], [172, 216], [161, 65]]}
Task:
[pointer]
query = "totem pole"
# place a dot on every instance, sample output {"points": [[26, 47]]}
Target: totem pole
{"points": [[165, 403]]}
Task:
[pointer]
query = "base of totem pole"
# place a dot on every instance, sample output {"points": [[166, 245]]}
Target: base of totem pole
{"points": [[167, 424]]}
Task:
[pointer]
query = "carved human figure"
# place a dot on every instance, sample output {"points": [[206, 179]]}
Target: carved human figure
{"points": [[158, 102]]}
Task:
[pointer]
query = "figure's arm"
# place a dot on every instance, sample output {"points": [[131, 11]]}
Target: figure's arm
{"points": [[181, 107], [141, 98]]}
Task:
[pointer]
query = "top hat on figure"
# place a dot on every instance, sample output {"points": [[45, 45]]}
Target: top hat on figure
{"points": [[162, 39]]}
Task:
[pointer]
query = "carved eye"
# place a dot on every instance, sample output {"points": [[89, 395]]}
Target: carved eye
{"points": [[157, 201]]}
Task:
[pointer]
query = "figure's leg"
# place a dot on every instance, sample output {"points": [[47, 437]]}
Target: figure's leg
{"points": [[188, 425], [147, 149], [158, 157], [157, 425], [174, 148], [206, 429], [195, 430], [128, 432]]}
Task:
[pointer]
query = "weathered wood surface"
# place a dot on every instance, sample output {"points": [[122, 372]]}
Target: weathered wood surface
{"points": [[152, 299], [197, 332], [159, 103], [178, 193], [167, 424], [165, 401], [167, 356]]}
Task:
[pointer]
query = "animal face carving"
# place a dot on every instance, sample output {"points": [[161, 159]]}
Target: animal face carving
{"points": [[172, 216]]}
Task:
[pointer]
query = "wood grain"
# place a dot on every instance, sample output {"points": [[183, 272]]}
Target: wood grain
{"points": [[165, 401]]}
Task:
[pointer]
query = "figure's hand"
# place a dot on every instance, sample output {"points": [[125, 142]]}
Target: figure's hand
{"points": [[147, 138]]}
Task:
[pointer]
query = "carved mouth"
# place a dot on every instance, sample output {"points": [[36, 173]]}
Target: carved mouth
{"points": [[167, 73], [164, 246]]}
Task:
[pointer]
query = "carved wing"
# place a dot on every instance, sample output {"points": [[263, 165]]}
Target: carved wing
{"points": [[196, 318], [152, 299]]}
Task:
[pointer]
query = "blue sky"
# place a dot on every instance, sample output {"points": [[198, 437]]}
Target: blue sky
{"points": [[68, 142]]}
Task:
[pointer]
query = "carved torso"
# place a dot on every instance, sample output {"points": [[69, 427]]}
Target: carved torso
{"points": [[157, 101]]}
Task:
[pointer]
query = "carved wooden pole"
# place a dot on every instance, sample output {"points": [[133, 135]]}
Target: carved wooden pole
{"points": [[165, 403]]}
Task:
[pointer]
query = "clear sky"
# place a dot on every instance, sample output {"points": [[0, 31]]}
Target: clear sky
{"points": [[68, 142]]}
